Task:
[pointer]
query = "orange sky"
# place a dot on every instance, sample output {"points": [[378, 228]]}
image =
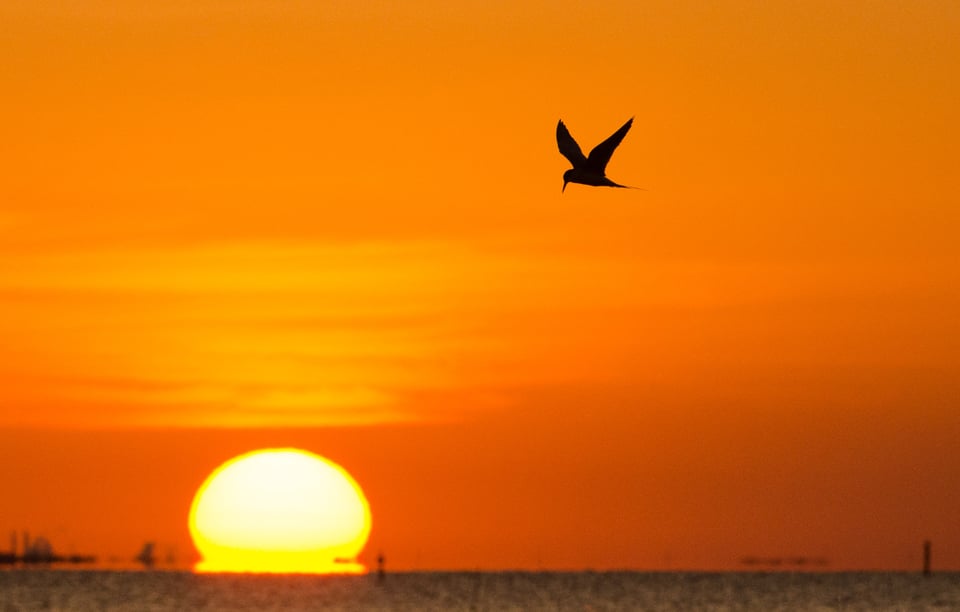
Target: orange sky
{"points": [[228, 225]]}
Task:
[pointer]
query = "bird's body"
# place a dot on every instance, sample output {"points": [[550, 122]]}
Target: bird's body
{"points": [[589, 170], [585, 177]]}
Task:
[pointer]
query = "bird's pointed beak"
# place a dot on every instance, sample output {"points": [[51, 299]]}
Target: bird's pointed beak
{"points": [[564, 186]]}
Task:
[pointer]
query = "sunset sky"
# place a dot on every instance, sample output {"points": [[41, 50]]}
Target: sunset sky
{"points": [[338, 226]]}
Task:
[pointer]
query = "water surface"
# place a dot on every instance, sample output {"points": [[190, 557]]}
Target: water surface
{"points": [[83, 590]]}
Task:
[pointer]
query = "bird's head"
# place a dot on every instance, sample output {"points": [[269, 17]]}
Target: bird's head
{"points": [[567, 177]]}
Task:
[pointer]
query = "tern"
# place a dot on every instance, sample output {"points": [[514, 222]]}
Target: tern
{"points": [[589, 170]]}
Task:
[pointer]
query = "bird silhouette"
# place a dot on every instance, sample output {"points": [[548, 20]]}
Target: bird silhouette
{"points": [[590, 170]]}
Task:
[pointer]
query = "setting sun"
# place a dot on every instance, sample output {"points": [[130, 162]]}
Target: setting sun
{"points": [[280, 511]]}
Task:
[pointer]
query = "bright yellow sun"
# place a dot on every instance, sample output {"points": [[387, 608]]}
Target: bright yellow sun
{"points": [[280, 511]]}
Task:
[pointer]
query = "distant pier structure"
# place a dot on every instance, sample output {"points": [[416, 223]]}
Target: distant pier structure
{"points": [[38, 551], [926, 557], [10, 556]]}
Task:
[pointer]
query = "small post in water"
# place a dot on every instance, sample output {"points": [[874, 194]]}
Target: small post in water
{"points": [[926, 557]]}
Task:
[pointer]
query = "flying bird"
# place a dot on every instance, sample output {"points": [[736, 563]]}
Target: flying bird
{"points": [[590, 170]]}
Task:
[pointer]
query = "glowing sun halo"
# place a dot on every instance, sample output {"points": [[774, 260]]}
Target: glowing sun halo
{"points": [[280, 511]]}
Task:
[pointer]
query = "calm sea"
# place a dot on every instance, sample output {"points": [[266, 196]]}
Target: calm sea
{"points": [[184, 591]]}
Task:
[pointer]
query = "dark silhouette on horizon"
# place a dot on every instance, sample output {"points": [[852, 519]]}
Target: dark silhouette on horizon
{"points": [[38, 551], [589, 170], [797, 561], [146, 556]]}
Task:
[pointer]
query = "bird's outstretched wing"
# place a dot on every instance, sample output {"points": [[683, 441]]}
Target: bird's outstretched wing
{"points": [[569, 147], [600, 156]]}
